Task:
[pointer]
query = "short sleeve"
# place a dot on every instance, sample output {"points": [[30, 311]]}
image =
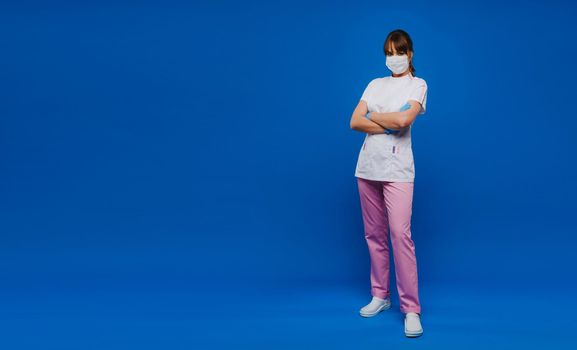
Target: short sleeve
{"points": [[366, 94], [419, 94]]}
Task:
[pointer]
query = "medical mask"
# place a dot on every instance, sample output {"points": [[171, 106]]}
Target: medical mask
{"points": [[397, 64]]}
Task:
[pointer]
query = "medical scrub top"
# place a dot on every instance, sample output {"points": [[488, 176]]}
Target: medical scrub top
{"points": [[389, 157]]}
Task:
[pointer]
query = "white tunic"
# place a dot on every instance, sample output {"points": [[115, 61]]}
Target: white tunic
{"points": [[389, 157]]}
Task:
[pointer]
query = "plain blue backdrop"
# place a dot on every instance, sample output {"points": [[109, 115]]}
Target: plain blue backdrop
{"points": [[180, 175]]}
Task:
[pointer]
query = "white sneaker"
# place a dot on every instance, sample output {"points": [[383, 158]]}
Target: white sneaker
{"points": [[413, 326], [375, 306]]}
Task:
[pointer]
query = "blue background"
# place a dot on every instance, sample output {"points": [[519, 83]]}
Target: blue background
{"points": [[181, 174]]}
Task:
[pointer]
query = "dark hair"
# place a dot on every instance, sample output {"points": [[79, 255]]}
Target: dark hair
{"points": [[402, 43]]}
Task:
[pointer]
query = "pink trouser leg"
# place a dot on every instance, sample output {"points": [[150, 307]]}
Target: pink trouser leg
{"points": [[387, 207], [376, 231]]}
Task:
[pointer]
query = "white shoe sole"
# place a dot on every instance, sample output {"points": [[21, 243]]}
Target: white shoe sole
{"points": [[413, 334], [381, 308]]}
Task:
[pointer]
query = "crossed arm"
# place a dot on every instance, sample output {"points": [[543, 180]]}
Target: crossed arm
{"points": [[379, 122]]}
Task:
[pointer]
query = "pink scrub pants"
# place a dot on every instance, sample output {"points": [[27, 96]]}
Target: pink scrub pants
{"points": [[388, 206]]}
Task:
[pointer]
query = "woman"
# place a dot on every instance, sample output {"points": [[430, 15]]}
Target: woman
{"points": [[385, 176]]}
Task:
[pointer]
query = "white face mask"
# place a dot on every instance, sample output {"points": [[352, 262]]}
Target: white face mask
{"points": [[397, 64]]}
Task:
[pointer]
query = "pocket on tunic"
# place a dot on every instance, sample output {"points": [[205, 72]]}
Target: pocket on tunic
{"points": [[402, 163]]}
